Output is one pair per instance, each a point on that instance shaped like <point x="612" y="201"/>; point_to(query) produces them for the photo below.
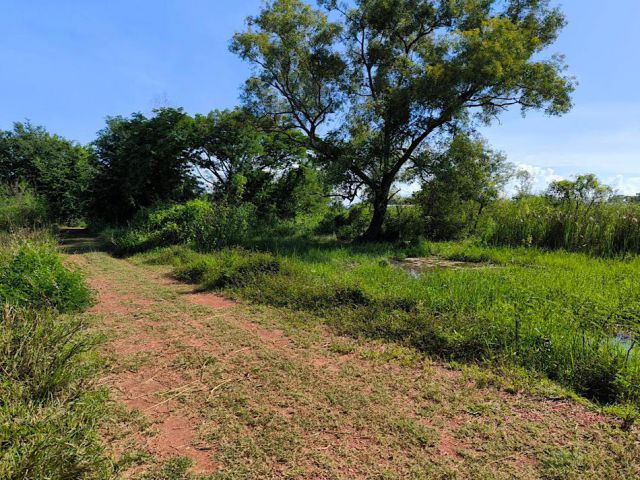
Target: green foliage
<point x="200" y="223"/>
<point x="226" y="225"/>
<point x="141" y="161"/>
<point x="21" y="207"/>
<point x="599" y="227"/>
<point x="57" y="169"/>
<point x="346" y="223"/>
<point x="32" y="275"/>
<point x="48" y="419"/>
<point x="457" y="185"/>
<point x="371" y="82"/>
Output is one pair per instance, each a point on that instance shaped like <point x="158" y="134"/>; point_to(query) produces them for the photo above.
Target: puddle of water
<point x="418" y="266"/>
<point x="625" y="341"/>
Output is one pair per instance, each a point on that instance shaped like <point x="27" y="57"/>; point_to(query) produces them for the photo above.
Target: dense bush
<point x="346" y="223"/>
<point x="32" y="275"/>
<point x="204" y="225"/>
<point x="20" y="207"/>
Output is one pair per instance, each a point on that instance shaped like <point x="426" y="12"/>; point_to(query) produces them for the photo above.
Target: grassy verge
<point x="570" y="317"/>
<point x="48" y="415"/>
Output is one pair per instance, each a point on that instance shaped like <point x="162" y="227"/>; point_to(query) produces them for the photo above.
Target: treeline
<point x="226" y="177"/>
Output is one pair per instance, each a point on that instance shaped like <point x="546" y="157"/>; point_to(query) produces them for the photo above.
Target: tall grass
<point x="48" y="415"/>
<point x="604" y="228"/>
<point x="571" y="317"/>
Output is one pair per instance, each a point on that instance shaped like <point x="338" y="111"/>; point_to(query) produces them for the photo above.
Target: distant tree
<point x="141" y="161"/>
<point x="524" y="188"/>
<point x="458" y="183"/>
<point x="371" y="83"/>
<point x="57" y="169"/>
<point x="584" y="190"/>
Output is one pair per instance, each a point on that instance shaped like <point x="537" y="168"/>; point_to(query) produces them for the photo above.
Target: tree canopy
<point x="140" y="161"/>
<point x="372" y="82"/>
<point x="57" y="169"/>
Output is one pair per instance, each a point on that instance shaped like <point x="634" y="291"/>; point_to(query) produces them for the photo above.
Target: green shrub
<point x="199" y="223"/>
<point x="20" y="207"/>
<point x="32" y="275"/>
<point x="225" y="226"/>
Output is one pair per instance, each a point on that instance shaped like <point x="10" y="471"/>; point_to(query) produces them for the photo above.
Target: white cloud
<point x="624" y="185"/>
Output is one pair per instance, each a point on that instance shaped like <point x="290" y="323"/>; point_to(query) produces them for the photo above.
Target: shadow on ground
<point x="78" y="240"/>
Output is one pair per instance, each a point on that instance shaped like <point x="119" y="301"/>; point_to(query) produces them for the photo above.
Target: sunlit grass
<point x="569" y="316"/>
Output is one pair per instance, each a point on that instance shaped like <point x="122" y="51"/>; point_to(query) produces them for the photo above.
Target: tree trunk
<point x="380" y="204"/>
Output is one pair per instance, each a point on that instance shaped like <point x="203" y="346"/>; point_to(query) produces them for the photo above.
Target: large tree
<point x="372" y="83"/>
<point x="140" y="161"/>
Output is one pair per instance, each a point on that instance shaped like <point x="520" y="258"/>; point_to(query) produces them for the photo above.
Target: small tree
<point x="243" y="159"/>
<point x="458" y="183"/>
<point x="370" y="82"/>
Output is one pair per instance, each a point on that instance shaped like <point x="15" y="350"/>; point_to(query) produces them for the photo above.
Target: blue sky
<point x="68" y="64"/>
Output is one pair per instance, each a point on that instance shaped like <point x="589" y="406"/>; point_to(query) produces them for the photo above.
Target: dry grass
<point x="258" y="392"/>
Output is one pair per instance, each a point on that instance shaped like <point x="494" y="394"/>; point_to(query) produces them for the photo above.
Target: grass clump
<point x="228" y="268"/>
<point x="32" y="275"/>
<point x="48" y="416"/>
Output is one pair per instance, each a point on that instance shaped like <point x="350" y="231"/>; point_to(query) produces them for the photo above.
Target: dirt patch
<point x="175" y="436"/>
<point x="153" y="387"/>
<point x="209" y="300"/>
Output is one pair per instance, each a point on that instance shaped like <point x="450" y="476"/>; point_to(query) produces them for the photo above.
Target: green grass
<point x="553" y="313"/>
<point x="294" y="400"/>
<point x="48" y="415"/>
<point x="32" y="275"/>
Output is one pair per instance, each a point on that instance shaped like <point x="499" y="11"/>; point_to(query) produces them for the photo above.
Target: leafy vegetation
<point x="48" y="416"/>
<point x="57" y="169"/>
<point x="21" y="208"/>
<point x="32" y="275"/>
